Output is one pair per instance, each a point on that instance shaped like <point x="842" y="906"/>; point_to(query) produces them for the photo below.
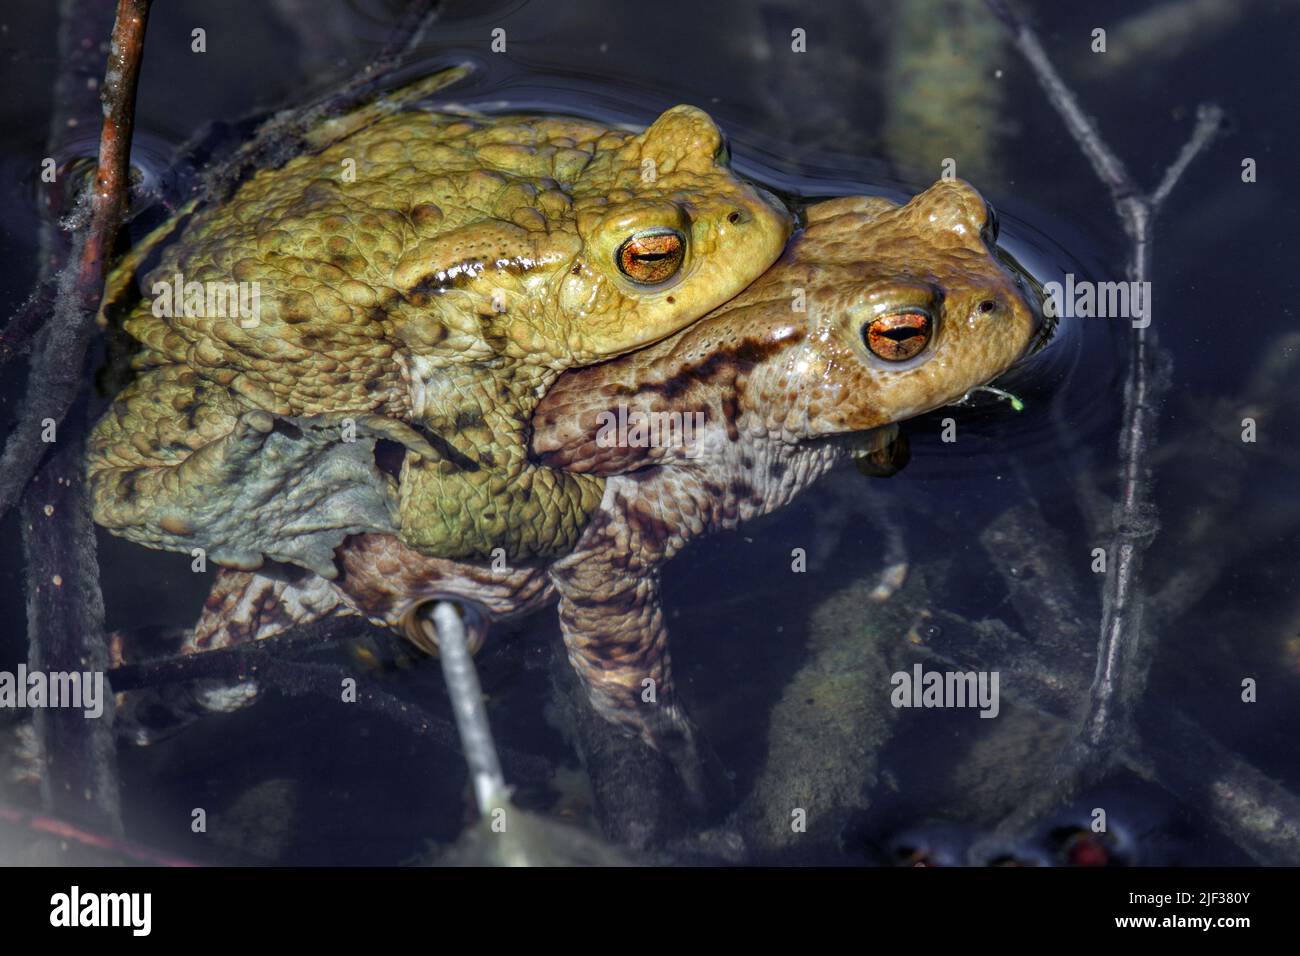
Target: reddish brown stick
<point x="65" y="608"/>
<point x="58" y="366"/>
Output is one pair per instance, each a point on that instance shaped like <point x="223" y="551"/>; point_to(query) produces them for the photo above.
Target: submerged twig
<point x="65" y="608"/>
<point x="467" y="704"/>
<point x="65" y="631"/>
<point x="1122" y="656"/>
<point x="84" y="26"/>
<point x="505" y="834"/>
<point x="265" y="662"/>
<point x="283" y="131"/>
<point x="1256" y="812"/>
<point x="58" y="367"/>
<point x="66" y="833"/>
<point x="1046" y="668"/>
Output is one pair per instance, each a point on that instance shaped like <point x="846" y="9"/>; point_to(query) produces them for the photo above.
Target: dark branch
<point x="58" y="367"/>
<point x="280" y="135"/>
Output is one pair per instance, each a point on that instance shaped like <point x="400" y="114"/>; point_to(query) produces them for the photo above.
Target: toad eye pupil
<point x="651" y="257"/>
<point x="898" y="336"/>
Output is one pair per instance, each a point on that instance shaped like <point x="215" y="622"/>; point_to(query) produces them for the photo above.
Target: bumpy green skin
<point x="429" y="270"/>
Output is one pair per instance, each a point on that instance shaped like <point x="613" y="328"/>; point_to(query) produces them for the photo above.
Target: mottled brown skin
<point x="434" y="270"/>
<point x="786" y="396"/>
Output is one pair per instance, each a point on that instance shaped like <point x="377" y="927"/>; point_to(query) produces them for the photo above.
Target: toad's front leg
<point x="482" y="493"/>
<point x="180" y="463"/>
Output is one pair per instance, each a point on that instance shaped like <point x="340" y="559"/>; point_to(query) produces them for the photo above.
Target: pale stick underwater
<point x="1124" y="652"/>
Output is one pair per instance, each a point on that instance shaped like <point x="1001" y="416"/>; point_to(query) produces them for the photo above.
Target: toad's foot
<point x="613" y="627"/>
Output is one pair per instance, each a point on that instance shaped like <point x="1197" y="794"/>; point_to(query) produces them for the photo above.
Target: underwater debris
<point x="1171" y="30"/>
<point x="940" y="66"/>
<point x="260" y="821"/>
<point x="504" y="835"/>
<point x="1223" y="532"/>
<point x="827" y="730"/>
<point x="1048" y="670"/>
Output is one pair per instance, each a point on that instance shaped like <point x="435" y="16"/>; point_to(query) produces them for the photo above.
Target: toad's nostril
<point x="735" y="217"/>
<point x="988" y="305"/>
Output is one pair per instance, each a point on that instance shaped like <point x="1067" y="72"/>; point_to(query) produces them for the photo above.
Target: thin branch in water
<point x="282" y="133"/>
<point x="58" y="367"/>
<point x="265" y="661"/>
<point x="65" y="608"/>
<point x="1122" y="658"/>
<point x="467" y="704"/>
<point x="83" y="27"/>
<point x="1208" y="121"/>
<point x="1050" y="672"/>
<point x="65" y="832"/>
<point x="1110" y="170"/>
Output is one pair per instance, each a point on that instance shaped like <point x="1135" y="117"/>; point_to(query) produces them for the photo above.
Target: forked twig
<point x="1122" y="655"/>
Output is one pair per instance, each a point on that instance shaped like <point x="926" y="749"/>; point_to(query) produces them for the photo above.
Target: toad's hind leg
<point x="616" y="640"/>
<point x="147" y="452"/>
<point x="179" y="464"/>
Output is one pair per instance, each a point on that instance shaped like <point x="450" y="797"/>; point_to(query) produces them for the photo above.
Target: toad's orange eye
<point x="651" y="257"/>
<point x="898" y="336"/>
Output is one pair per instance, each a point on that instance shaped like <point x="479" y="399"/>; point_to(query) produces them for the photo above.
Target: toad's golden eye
<point x="898" y="336"/>
<point x="652" y="256"/>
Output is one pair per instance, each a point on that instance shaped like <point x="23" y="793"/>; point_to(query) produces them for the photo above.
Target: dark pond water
<point x="776" y="666"/>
